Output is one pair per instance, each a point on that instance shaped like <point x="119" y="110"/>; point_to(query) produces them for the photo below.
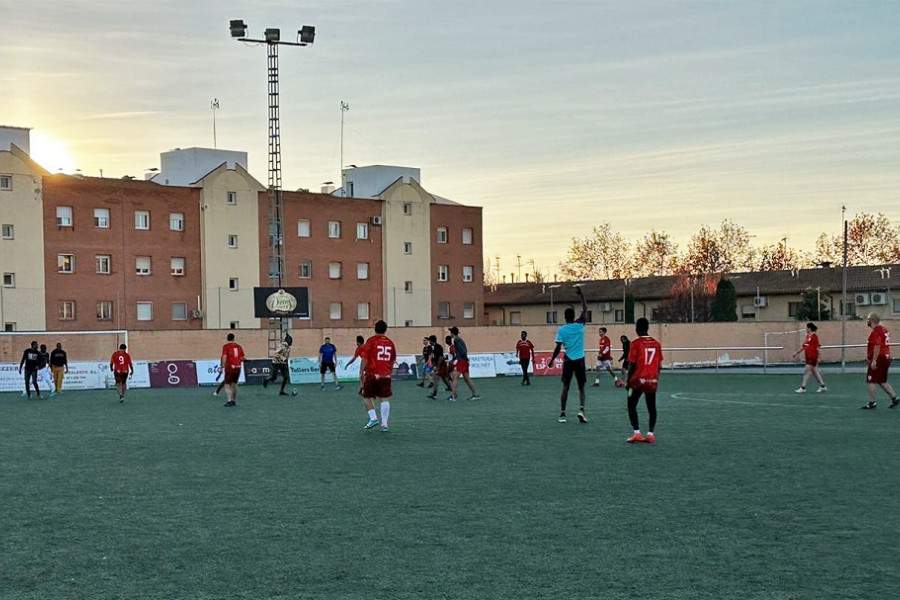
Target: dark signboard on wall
<point x="272" y="302"/>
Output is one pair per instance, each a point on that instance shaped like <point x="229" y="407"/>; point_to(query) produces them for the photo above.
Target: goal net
<point x="80" y="346"/>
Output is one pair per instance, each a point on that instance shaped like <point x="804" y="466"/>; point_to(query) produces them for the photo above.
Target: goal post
<point x="79" y="345"/>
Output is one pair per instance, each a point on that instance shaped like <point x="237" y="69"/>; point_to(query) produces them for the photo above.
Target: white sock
<point x="372" y="415"/>
<point x="637" y="432"/>
<point x="385" y="412"/>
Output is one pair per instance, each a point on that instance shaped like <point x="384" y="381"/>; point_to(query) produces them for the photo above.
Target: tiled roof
<point x="828" y="280"/>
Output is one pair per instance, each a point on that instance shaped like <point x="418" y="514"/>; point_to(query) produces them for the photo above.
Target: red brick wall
<point x="455" y="254"/>
<point x="123" y="243"/>
<point x="319" y="209"/>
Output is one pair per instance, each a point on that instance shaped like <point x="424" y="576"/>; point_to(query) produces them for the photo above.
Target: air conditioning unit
<point x="862" y="299"/>
<point x="377" y="220"/>
<point x="760" y="301"/>
<point x="196" y="314"/>
<point x="606" y="306"/>
<point x="879" y="298"/>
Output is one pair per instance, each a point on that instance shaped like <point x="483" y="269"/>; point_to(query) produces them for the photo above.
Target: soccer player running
<point x="360" y="340"/>
<point x="571" y="337"/>
<point x="231" y="362"/>
<point x="460" y="367"/>
<point x="878" y="361"/>
<point x="31" y="359"/>
<point x="122" y="368"/>
<point x="810" y="349"/>
<point x="427" y="363"/>
<point x="525" y="350"/>
<point x="59" y="364"/>
<point x="280" y="364"/>
<point x="441" y="371"/>
<point x="644" y="361"/>
<point x="327" y="353"/>
<point x="604" y="358"/>
<point x="377" y="360"/>
<point x="43" y="373"/>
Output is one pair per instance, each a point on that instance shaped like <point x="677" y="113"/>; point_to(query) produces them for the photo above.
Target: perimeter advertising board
<point x="289" y="302"/>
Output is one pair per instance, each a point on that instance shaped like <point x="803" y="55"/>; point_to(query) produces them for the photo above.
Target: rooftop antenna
<point x="214" y="106"/>
<point x="344" y="108"/>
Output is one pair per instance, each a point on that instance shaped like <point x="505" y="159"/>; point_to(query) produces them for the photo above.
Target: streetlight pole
<point x="844" y="296"/>
<point x="344" y="108"/>
<point x="305" y="36"/>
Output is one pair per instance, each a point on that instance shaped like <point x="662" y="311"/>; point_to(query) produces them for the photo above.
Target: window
<point x="443" y="272"/>
<point x="334" y="311"/>
<point x="178" y="266"/>
<point x="468" y="310"/>
<point x="303" y="228"/>
<point x="65" y="263"/>
<point x="407" y="247"/>
<point x="232" y="241"/>
<point x="443" y="310"/>
<point x="467" y="235"/>
<point x="362" y="311"/>
<point x="64" y="216"/>
<point x="441" y="235"/>
<point x="233" y="284"/>
<point x="515" y="317"/>
<point x="589" y="316"/>
<point x="9" y="326"/>
<point x="67" y="310"/>
<point x="101" y="218"/>
<point x="468" y="270"/>
<point x="334" y="270"/>
<point x="407" y="208"/>
<point x="142" y="219"/>
<point x="334" y="229"/>
<point x="896" y="305"/>
<point x="748" y="311"/>
<point x="9" y="280"/>
<point x="408" y="287"/>
<point x="6" y="183"/>
<point x="176" y="221"/>
<point x="104" y="264"/>
<point x="179" y="311"/>
<point x="9" y="231"/>
<point x="849" y="309"/>
<point x="142" y="265"/>
<point x="362" y="270"/>
<point x="104" y="311"/>
<point x="234" y="325"/>
<point x="794" y="308"/>
<point x="231" y="198"/>
<point x="362" y="231"/>
<point x="144" y="311"/>
<point x="551" y="316"/>
<point x="619" y="315"/>
<point x="305" y="269"/>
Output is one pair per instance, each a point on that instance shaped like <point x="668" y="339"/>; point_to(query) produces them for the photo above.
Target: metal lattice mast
<point x="278" y="327"/>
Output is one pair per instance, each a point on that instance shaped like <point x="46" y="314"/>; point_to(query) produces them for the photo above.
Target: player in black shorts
<point x="31" y="360"/>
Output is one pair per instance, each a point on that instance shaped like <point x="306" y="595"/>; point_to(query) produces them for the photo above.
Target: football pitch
<point x="751" y="492"/>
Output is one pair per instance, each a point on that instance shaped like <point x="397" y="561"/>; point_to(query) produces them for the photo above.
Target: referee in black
<point x="31" y="359"/>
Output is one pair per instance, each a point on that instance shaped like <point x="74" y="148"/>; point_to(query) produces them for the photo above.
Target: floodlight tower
<point x="305" y="36"/>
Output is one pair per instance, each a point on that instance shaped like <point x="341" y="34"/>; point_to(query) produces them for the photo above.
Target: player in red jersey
<point x="525" y="350"/>
<point x="644" y="360"/>
<point x="377" y="360"/>
<point x="811" y="352"/>
<point x="604" y="359"/>
<point x="230" y="364"/>
<point x="878" y="361"/>
<point x="122" y="367"/>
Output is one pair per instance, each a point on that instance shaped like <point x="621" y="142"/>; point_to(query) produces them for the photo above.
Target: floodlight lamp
<point x="238" y="28"/>
<point x="307" y="34"/>
<point x="273" y="35"/>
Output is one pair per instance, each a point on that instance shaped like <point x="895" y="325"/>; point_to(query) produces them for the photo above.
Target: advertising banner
<point x="541" y="359"/>
<point x="173" y="373"/>
<point x="482" y="365"/>
<point x="256" y="370"/>
<point x="207" y="371"/>
<point x="304" y="369"/>
<point x="405" y="368"/>
<point x="507" y="363"/>
<point x="273" y="302"/>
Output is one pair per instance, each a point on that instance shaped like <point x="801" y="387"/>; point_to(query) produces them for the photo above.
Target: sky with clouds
<point x="554" y="116"/>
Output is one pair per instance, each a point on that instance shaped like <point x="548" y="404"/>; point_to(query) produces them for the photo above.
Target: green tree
<point x="629" y="308"/>
<point x="724" y="306"/>
<point x="811" y="306"/>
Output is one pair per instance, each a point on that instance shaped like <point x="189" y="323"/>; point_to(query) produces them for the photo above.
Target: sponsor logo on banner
<point x="405" y="367"/>
<point x="173" y="373"/>
<point x="304" y="369"/>
<point x="542" y="359"/>
<point x="507" y="363"/>
<point x="257" y="370"/>
<point x="207" y="371"/>
<point x="482" y="365"/>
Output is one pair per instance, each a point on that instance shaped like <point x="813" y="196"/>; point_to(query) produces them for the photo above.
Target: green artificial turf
<point x="751" y="492"/>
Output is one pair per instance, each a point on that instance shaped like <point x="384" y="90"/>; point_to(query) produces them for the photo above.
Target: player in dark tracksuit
<point x="31" y="360"/>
